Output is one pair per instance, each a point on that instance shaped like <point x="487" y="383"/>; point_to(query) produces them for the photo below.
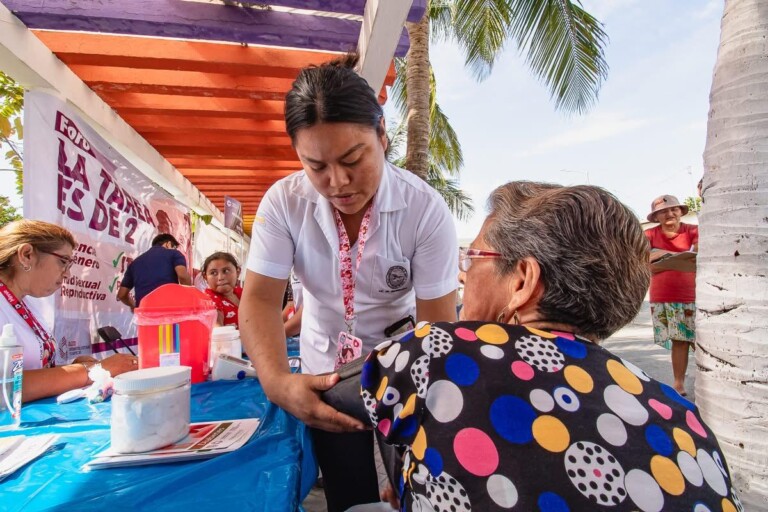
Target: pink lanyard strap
<point x="345" y="262"/>
<point x="46" y="340"/>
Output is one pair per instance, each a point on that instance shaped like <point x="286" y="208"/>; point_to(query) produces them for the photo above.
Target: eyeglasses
<point x="65" y="260"/>
<point x="466" y="255"/>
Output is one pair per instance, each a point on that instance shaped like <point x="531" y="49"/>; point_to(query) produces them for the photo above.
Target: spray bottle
<point x="12" y="359"/>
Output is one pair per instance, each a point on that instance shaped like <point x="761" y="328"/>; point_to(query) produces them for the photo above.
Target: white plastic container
<point x="150" y="408"/>
<point x="12" y="362"/>
<point x="225" y="340"/>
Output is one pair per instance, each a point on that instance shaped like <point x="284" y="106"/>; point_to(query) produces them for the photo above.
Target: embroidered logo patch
<point x="396" y="277"/>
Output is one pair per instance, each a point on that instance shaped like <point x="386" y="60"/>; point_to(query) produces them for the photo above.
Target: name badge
<point x="348" y="348"/>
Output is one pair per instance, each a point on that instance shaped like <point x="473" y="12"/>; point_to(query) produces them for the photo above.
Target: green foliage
<point x="693" y="203"/>
<point x="561" y="42"/>
<point x="11" y="96"/>
<point x="444" y="145"/>
<point x="8" y="213"/>
<point x="195" y="218"/>
<point x="445" y="156"/>
<point x="457" y="200"/>
<point x="11" y="129"/>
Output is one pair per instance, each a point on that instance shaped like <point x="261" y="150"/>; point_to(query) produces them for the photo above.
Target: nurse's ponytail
<point x="331" y="93"/>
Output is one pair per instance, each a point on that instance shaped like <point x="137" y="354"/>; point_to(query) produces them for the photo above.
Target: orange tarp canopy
<point x="213" y="110"/>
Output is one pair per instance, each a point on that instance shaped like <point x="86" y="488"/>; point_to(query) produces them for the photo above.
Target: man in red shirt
<point x="673" y="293"/>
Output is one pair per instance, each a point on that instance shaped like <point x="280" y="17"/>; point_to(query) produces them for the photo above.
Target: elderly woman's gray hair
<point x="590" y="247"/>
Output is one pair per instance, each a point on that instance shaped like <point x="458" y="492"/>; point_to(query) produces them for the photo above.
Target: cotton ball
<point x="142" y="423"/>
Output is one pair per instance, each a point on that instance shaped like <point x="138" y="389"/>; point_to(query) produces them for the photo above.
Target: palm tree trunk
<point x="417" y="86"/>
<point x="732" y="279"/>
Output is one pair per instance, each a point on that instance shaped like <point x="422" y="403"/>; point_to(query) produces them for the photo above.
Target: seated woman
<point x="221" y="271"/>
<point x="35" y="258"/>
<point x="517" y="406"/>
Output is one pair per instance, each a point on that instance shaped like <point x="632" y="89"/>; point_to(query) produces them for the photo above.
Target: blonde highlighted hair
<point x="42" y="236"/>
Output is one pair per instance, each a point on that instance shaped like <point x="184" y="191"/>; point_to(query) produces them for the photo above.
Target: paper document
<point x="16" y="451"/>
<point x="205" y="440"/>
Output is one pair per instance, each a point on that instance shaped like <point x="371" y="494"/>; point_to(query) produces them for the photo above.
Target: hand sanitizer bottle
<point x="12" y="360"/>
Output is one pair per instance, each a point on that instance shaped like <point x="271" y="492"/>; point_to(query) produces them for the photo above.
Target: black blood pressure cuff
<point x="345" y="397"/>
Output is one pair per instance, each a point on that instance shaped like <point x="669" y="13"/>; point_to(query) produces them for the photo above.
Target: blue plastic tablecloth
<point x="274" y="471"/>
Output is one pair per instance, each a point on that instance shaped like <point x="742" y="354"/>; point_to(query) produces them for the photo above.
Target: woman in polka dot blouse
<point x="517" y="407"/>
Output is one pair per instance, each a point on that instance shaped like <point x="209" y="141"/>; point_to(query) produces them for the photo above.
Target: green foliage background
<point x="11" y="136"/>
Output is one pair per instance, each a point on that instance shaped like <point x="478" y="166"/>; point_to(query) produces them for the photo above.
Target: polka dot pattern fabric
<point x="501" y="417"/>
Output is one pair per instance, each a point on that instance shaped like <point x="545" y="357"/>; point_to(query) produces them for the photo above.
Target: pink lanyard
<point x="345" y="263"/>
<point x="46" y="340"/>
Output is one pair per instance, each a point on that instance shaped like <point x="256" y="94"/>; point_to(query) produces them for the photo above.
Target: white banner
<point x="74" y="178"/>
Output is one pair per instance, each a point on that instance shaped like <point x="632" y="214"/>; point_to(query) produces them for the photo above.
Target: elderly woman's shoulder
<point x="574" y="398"/>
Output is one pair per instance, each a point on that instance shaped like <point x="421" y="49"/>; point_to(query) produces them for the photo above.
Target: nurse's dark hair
<point x="220" y="255"/>
<point x="331" y="93"/>
<point x="590" y="247"/>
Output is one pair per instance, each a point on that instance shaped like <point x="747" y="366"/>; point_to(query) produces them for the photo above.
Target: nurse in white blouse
<point x="399" y="260"/>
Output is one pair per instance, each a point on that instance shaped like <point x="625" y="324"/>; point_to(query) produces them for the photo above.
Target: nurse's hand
<point x="300" y="396"/>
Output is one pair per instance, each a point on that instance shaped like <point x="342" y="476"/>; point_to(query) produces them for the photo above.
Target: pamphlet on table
<point x="205" y="440"/>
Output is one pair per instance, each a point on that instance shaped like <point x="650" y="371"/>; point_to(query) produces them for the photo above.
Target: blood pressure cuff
<point x="345" y="397"/>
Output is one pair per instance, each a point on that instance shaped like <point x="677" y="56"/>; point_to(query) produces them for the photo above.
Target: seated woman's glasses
<point x="466" y="255"/>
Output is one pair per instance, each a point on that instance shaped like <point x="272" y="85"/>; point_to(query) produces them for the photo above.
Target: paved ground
<point x="634" y="343"/>
<point x="315" y="502"/>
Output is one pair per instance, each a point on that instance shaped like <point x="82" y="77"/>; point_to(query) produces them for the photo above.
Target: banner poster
<point x="233" y="215"/>
<point x="74" y="178"/>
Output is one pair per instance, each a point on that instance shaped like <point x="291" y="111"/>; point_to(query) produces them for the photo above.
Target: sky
<point x="643" y="138"/>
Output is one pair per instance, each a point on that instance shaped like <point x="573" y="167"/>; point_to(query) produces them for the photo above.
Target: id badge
<point x="348" y="348"/>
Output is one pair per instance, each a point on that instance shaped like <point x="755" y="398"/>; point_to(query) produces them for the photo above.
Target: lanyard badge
<point x="349" y="347"/>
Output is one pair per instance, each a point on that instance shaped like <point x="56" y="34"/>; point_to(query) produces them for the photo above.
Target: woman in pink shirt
<point x="673" y="293"/>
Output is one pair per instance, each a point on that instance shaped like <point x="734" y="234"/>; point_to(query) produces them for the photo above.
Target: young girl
<point x="220" y="270"/>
